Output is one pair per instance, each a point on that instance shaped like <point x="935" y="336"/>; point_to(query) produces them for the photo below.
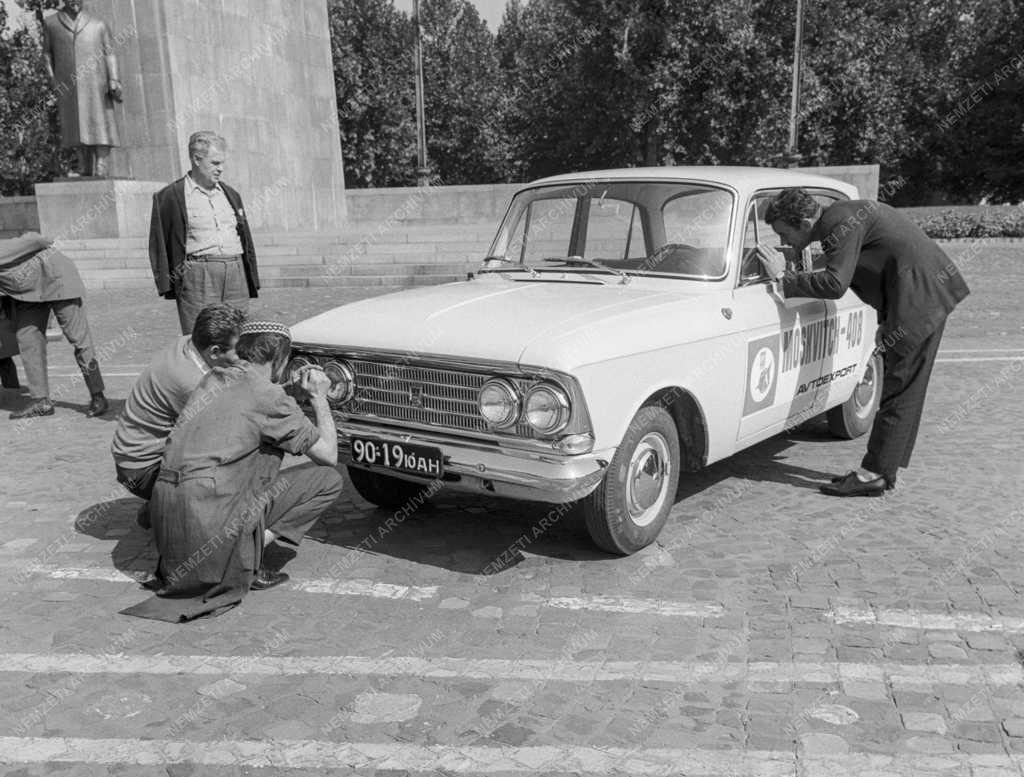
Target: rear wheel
<point x="629" y="508"/>
<point x="384" y="490"/>
<point x="855" y="416"/>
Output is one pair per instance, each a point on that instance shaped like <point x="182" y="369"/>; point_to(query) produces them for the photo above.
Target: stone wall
<point x="17" y="215"/>
<point x="258" y="72"/>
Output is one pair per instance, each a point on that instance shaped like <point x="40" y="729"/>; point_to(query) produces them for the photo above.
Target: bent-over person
<point x="894" y="267"/>
<point x="220" y="496"/>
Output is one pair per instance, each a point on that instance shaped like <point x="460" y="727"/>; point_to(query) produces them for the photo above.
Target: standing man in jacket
<point x="41" y="279"/>
<point x="903" y="274"/>
<point x="200" y="246"/>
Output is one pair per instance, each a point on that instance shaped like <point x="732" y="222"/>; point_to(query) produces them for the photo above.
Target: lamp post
<point x="422" y="171"/>
<point x="792" y="156"/>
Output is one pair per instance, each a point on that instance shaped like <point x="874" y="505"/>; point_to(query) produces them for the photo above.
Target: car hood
<point x="543" y="323"/>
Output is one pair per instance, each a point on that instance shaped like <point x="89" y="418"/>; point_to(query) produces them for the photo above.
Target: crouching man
<point x="220" y="496"/>
<point x="159" y="395"/>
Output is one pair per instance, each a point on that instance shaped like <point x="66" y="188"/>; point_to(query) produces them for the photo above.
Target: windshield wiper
<point x="506" y="260"/>
<point x="623" y="277"/>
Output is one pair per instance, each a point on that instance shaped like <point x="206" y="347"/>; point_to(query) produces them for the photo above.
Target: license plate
<point x="399" y="456"/>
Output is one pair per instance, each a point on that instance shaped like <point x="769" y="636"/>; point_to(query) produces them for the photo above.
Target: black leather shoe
<point x="266" y="578"/>
<point x="851" y="485"/>
<point x="98" y="406"/>
<point x="39" y="407"/>
<point x="840" y="478"/>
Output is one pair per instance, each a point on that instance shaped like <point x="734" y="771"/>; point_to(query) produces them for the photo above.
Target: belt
<point x="175" y="477"/>
<point x="213" y="257"/>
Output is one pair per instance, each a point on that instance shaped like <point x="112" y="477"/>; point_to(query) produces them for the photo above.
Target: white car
<point x="620" y="334"/>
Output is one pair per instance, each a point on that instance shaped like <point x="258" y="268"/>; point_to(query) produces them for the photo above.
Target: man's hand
<point x="315" y="383"/>
<point x="773" y="262"/>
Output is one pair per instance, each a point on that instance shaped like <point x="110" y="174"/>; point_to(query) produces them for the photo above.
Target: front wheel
<point x="629" y="508"/>
<point x="855" y="416"/>
<point x="384" y="490"/>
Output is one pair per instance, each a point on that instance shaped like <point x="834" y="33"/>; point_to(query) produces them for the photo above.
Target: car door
<point x="781" y="350"/>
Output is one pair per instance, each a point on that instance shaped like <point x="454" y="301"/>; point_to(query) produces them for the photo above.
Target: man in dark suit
<point x="200" y="245"/>
<point x="40" y="279"/>
<point x="903" y="274"/>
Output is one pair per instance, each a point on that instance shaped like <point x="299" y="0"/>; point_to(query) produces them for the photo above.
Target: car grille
<point x="440" y="398"/>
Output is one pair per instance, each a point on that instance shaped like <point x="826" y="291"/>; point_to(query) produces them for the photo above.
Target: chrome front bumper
<point x="481" y="468"/>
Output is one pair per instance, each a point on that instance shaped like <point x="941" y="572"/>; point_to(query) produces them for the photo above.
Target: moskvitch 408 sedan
<point x="619" y="334"/>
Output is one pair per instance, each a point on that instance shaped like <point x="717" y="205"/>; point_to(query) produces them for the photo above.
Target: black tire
<point x="856" y="415"/>
<point x="384" y="490"/>
<point x="620" y="517"/>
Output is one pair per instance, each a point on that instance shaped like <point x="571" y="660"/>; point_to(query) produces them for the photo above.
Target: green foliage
<point x="464" y="98"/>
<point x="984" y="222"/>
<point x="373" y="76"/>
<point x="28" y="115"/>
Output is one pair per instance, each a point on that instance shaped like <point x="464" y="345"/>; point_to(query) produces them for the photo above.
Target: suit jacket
<point x="168" y="229"/>
<point x="890" y="263"/>
<point x="31" y="270"/>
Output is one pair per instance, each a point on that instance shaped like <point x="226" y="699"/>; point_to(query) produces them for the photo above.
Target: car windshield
<point x="616" y="228"/>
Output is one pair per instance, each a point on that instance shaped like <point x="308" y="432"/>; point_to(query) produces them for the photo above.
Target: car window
<point x="545" y="229"/>
<point x="614" y="230"/>
<point x="634" y="226"/>
<point x="751" y="270"/>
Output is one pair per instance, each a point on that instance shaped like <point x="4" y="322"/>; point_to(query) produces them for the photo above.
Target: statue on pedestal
<point x="81" y="62"/>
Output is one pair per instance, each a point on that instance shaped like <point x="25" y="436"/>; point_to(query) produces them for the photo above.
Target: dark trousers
<point x="899" y="414"/>
<point x="205" y="280"/>
<point x="9" y="373"/>
<point x="302" y="495"/>
<point x="139" y="481"/>
<point x="30" y="318"/>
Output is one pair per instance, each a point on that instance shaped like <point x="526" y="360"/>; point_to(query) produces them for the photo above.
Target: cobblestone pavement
<point x="770" y="631"/>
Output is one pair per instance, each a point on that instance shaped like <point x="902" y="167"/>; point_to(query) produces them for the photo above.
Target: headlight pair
<point x="343" y="380"/>
<point x="545" y="406"/>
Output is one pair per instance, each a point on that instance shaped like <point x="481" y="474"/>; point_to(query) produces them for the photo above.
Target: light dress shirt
<point x="212" y="224"/>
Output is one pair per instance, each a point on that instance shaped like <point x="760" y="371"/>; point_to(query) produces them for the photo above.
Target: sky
<point x="490" y="10"/>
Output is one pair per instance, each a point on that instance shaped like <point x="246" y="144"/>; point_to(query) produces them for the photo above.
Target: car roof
<point x="739" y="178"/>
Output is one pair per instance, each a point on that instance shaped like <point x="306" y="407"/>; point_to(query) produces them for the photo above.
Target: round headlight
<point x="498" y="403"/>
<point x="547" y="408"/>
<point x="293" y="372"/>
<point x="343" y="381"/>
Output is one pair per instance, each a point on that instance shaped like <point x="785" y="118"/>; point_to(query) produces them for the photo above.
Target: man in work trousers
<point x="903" y="274"/>
<point x="200" y="246"/>
<point x="41" y="279"/>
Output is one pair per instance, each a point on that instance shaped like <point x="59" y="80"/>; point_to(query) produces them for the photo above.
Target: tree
<point x="371" y="44"/>
<point x="465" y="102"/>
<point x="31" y="150"/>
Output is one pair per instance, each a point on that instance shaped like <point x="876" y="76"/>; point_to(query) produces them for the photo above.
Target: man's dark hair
<point x="217" y="324"/>
<point x="263" y="348"/>
<point x="791" y="206"/>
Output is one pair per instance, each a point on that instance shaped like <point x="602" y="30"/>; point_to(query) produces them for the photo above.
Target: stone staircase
<point x="382" y="255"/>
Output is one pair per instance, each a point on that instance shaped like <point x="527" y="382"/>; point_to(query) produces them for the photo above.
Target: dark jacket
<point x="890" y="263"/>
<point x="168" y="229"/>
<point x="31" y="270"/>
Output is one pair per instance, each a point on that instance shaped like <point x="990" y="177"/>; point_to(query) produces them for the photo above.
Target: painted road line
<point x="534" y="670"/>
<point x="335" y="587"/>
<point x="637" y="606"/>
<point x="915" y="619"/>
<point x="414" y="593"/>
<point x="450" y="759"/>
<point x="968" y="359"/>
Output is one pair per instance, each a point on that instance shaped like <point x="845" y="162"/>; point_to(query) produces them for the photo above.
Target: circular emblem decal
<point x="762" y="374"/>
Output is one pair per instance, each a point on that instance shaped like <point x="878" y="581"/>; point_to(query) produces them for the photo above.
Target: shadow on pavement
<point x="134" y="553"/>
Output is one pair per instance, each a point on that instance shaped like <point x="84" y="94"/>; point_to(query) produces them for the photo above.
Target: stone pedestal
<point x="85" y="208"/>
<point x="258" y="73"/>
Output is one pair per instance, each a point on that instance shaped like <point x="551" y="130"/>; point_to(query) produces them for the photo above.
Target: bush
<point x="984" y="222"/>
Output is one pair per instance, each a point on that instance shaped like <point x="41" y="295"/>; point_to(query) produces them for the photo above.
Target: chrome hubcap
<point x="864" y="394"/>
<point x="647" y="479"/>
